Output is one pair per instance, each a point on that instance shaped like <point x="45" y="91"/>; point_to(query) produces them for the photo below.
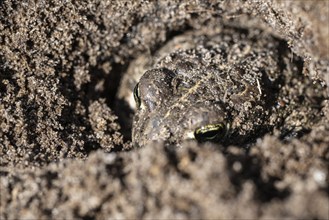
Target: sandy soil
<point x="65" y="149"/>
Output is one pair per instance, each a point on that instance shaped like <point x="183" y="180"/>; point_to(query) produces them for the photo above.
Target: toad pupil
<point x="210" y="132"/>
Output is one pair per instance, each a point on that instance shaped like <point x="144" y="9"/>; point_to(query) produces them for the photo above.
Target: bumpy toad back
<point x="218" y="87"/>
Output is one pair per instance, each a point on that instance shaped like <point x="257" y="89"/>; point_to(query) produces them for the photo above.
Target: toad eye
<point x="211" y="132"/>
<point x="137" y="95"/>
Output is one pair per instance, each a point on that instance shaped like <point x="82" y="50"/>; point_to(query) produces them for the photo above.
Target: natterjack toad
<point x="216" y="86"/>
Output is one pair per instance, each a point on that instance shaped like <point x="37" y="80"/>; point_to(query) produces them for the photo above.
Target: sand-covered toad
<point x="217" y="86"/>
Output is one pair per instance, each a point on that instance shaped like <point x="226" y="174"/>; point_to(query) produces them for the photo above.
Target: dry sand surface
<point x="66" y="152"/>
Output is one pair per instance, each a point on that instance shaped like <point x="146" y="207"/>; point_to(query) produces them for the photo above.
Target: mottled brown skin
<point x="226" y="77"/>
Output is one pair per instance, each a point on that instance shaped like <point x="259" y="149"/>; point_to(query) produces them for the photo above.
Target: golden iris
<point x="137" y="95"/>
<point x="210" y="132"/>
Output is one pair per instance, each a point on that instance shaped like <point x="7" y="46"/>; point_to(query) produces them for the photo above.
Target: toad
<point x="217" y="86"/>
